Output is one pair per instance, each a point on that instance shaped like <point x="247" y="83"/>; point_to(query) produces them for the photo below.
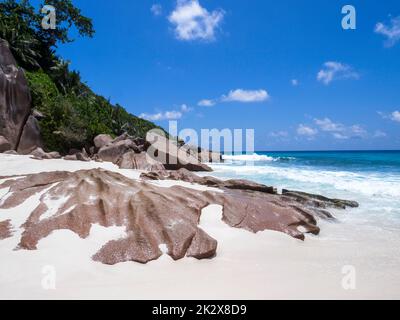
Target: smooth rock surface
<point x="139" y="161"/>
<point x="30" y="138"/>
<point x="5" y="145"/>
<point x="15" y="98"/>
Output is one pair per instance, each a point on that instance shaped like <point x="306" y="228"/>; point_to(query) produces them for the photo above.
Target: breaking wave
<point x="370" y="184"/>
<point x="253" y="157"/>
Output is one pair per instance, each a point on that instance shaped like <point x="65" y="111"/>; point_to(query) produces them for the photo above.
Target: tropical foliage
<point x="72" y="113"/>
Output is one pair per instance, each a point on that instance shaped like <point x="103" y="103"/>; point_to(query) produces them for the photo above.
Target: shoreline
<point x="266" y="265"/>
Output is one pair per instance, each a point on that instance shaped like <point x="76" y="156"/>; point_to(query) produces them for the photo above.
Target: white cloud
<point x="395" y="116"/>
<point x="379" y="134"/>
<point x="335" y="70"/>
<point x="358" y="131"/>
<point x="294" y="82"/>
<point x="304" y="130"/>
<point x="206" y="103"/>
<point x="240" y="95"/>
<point x="185" y="108"/>
<point x="328" y="125"/>
<point x="156" y="9"/>
<point x="391" y="31"/>
<point x="166" y="115"/>
<point x="340" y="131"/>
<point x="340" y="136"/>
<point x="193" y="22"/>
<point x="279" y="134"/>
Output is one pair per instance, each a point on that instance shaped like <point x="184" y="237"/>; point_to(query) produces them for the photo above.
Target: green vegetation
<point x="72" y="113"/>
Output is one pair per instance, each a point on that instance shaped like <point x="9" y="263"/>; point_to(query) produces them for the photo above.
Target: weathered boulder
<point x="203" y="246"/>
<point x="204" y="155"/>
<point x="152" y="215"/>
<point x="5" y="229"/>
<point x="318" y="200"/>
<point x="210" y="156"/>
<point x="264" y="197"/>
<point x="172" y="156"/>
<point x="30" y="138"/>
<point x="139" y="161"/>
<point x="15" y="98"/>
<point x="71" y="157"/>
<point x="39" y="154"/>
<point x="115" y="150"/>
<point x="5" y="145"/>
<point x="102" y="140"/>
<point x="82" y="156"/>
<point x="187" y="176"/>
<point x="13" y="152"/>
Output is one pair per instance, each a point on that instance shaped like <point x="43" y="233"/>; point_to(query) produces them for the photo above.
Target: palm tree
<point x="22" y="44"/>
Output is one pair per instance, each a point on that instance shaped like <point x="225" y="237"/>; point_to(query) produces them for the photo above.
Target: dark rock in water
<point x="15" y="98"/>
<point x="30" y="138"/>
<point x="318" y="200"/>
<point x="5" y="145"/>
<point x="102" y="140"/>
<point x="139" y="161"/>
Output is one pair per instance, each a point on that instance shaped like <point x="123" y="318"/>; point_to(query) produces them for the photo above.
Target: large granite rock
<point x="318" y="200"/>
<point x="151" y="215"/>
<point x="39" y="154"/>
<point x="204" y="155"/>
<point x="314" y="204"/>
<point x="139" y="161"/>
<point x="5" y="229"/>
<point x="5" y="145"/>
<point x="114" y="151"/>
<point x="15" y="98"/>
<point x="172" y="155"/>
<point x="102" y="140"/>
<point x="187" y="176"/>
<point x="30" y="138"/>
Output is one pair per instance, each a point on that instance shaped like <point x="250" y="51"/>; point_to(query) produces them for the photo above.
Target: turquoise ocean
<point x="370" y="177"/>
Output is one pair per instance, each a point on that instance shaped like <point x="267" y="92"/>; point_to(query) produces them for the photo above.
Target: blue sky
<point x="285" y="68"/>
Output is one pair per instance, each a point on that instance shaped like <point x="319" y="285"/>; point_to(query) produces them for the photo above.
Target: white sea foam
<point x="248" y="157"/>
<point x="370" y="184"/>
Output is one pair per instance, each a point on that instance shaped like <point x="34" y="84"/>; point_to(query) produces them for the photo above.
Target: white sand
<point x="248" y="266"/>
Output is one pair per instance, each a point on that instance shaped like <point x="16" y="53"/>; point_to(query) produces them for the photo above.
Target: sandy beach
<point x="266" y="265"/>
